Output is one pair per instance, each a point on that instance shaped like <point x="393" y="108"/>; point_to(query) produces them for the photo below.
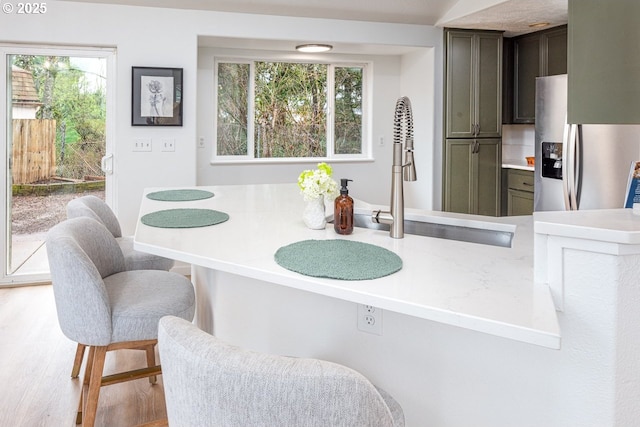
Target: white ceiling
<point x="511" y="16"/>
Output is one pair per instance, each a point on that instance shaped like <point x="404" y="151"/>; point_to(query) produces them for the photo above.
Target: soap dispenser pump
<point x="343" y="210"/>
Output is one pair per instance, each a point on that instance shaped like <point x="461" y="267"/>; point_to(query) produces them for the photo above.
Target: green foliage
<point x="348" y="105"/>
<point x="78" y="104"/>
<point x="290" y="109"/>
<point x="233" y="104"/>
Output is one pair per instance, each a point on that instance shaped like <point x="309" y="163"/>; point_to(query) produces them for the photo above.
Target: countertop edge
<point x="519" y="166"/>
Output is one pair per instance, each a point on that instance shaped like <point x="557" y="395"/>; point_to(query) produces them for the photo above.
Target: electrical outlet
<point x="201" y="142"/>
<point x="369" y="319"/>
<point x="142" y="144"/>
<point x="168" y="144"/>
<point x="381" y="141"/>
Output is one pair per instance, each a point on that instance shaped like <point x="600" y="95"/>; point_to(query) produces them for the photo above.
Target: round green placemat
<point x="184" y="218"/>
<point x="180" y="195"/>
<point x="338" y="259"/>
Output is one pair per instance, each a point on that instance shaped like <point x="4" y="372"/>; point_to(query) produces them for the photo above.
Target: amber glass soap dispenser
<point x="343" y="210"/>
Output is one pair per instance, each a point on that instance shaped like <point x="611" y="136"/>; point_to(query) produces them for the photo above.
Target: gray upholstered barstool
<point x="93" y="207"/>
<point x="102" y="305"/>
<point x="211" y="383"/>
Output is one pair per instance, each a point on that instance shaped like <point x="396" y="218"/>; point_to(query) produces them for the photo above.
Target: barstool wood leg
<point x="85" y="382"/>
<point x="151" y="361"/>
<point x="93" y="392"/>
<point x="77" y="361"/>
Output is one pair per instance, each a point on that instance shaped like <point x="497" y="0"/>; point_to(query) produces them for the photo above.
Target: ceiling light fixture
<point x="539" y="25"/>
<point x="314" y="48"/>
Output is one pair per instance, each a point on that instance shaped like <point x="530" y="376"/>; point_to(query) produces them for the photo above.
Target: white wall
<point x="518" y="142"/>
<point x="421" y="78"/>
<point x="124" y="28"/>
<point x="371" y="179"/>
<point x="169" y="38"/>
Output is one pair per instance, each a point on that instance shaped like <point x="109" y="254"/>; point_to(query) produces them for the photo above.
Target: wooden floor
<point x="36" y="388"/>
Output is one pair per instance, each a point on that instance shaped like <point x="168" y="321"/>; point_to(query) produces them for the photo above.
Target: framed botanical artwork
<point x="156" y="96"/>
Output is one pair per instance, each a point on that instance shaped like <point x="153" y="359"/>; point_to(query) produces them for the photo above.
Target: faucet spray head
<point x="409" y="166"/>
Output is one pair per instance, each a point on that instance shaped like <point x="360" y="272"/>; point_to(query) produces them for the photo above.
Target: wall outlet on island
<point x="369" y="319"/>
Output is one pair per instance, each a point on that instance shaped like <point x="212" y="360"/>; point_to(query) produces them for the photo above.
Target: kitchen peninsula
<point x="468" y="336"/>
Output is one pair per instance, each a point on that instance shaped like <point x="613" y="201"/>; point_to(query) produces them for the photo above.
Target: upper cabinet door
<point x="604" y="62"/>
<point x="527" y="68"/>
<point x="473" y="84"/>
<point x="543" y="53"/>
<point x="555" y="43"/>
<point x="460" y="85"/>
<point x="489" y="86"/>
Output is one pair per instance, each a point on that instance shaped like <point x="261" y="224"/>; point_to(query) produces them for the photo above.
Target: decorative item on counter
<point x="343" y="210"/>
<point x="184" y="218"/>
<point x="180" y="195"/>
<point x="315" y="185"/>
<point x="338" y="259"/>
<point x="530" y="160"/>
<point x="633" y="187"/>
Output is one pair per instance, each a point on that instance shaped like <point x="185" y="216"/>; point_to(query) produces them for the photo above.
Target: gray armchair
<point x="210" y="383"/>
<point x="94" y="207"/>
<point x="102" y="305"/>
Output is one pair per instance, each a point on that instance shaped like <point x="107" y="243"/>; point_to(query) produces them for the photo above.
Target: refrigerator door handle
<point x="573" y="167"/>
<point x="577" y="163"/>
<point x="565" y="167"/>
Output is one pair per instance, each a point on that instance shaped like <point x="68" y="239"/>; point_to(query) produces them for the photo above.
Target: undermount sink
<point x="443" y="231"/>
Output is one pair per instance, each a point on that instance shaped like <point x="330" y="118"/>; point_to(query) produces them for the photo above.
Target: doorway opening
<point x="56" y="140"/>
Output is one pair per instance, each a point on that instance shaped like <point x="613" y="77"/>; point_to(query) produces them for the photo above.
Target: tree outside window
<point x="282" y="110"/>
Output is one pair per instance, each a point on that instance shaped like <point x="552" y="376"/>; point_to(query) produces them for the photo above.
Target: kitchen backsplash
<point x="518" y="142"/>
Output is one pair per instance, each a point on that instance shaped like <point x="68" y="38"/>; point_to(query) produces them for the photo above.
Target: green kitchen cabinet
<point x="473" y="84"/>
<point x="604" y="62"/>
<point x="472" y="176"/>
<point x="543" y="53"/>
<point x="520" y="186"/>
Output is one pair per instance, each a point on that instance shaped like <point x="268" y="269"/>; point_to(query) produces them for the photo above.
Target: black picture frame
<point x="156" y="96"/>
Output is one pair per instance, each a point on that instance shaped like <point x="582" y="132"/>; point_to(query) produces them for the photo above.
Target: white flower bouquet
<point x="317" y="182"/>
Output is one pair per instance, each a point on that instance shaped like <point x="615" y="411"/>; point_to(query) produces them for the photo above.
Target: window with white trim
<point x="289" y="110"/>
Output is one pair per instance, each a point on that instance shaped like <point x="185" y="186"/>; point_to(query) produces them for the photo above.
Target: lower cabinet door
<point x="519" y="202"/>
<point x="472" y="176"/>
<point x="458" y="170"/>
<point x="488" y="168"/>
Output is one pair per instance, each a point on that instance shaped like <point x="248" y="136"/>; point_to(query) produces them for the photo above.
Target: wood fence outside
<point x="34" y="150"/>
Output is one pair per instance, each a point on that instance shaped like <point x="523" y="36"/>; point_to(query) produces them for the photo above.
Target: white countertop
<point x="478" y="287"/>
<point x="517" y="164"/>
<point x="606" y="225"/>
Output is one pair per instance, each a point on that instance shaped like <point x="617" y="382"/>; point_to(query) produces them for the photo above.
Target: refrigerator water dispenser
<point x="552" y="160"/>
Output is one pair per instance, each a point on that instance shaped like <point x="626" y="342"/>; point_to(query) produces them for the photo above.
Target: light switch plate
<point x="167" y="144"/>
<point x="142" y="144"/>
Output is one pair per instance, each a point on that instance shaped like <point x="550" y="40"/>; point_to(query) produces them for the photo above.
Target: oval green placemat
<point x="184" y="218"/>
<point x="182" y="195"/>
<point x="338" y="259"/>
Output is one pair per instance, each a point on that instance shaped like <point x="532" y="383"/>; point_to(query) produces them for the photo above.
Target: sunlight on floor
<point x="30" y="257"/>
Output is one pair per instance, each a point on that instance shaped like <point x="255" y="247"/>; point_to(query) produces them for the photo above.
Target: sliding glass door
<point x="55" y="146"/>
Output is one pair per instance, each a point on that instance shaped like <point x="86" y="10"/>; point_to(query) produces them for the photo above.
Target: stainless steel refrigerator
<point x="578" y="166"/>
